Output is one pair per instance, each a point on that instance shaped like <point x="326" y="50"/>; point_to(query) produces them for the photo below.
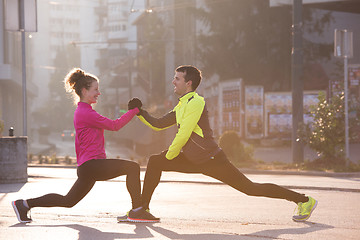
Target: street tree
<point x="57" y="111"/>
<point x="248" y="39"/>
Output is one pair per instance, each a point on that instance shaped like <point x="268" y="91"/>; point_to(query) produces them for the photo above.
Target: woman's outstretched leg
<point x="78" y="191"/>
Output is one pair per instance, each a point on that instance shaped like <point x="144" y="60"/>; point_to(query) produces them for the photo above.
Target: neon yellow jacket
<point x="194" y="136"/>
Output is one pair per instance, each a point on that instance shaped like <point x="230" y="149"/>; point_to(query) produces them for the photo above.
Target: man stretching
<point x="194" y="150"/>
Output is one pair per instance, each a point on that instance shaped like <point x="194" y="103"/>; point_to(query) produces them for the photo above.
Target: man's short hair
<point x="191" y="73"/>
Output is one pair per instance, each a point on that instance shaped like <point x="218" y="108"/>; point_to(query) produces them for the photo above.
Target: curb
<point x="303" y="173"/>
<point x="246" y="171"/>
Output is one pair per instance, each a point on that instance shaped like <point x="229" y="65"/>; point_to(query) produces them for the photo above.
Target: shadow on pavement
<point x="141" y="231"/>
<point x="265" y="234"/>
<point x="275" y="233"/>
<point x="10" y="187"/>
<point x="86" y="233"/>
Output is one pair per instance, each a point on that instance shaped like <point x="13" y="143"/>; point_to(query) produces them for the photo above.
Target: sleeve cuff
<point x="171" y="155"/>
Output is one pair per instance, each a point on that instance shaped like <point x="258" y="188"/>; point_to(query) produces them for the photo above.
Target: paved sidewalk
<point x="190" y="206"/>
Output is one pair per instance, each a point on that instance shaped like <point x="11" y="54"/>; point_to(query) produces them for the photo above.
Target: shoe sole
<point x="122" y="220"/>
<point x="308" y="216"/>
<point x="142" y="220"/>
<point x="17" y="213"/>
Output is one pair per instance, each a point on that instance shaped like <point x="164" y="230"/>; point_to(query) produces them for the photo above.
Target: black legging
<point x="219" y="168"/>
<point x="90" y="172"/>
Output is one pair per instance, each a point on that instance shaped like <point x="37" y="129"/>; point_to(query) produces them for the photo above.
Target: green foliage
<point x="235" y="150"/>
<point x="53" y="159"/>
<point x="68" y="160"/>
<point x="244" y="36"/>
<point x="30" y="157"/>
<point x="152" y="50"/>
<point x="326" y="134"/>
<point x="57" y="112"/>
<point x="41" y="159"/>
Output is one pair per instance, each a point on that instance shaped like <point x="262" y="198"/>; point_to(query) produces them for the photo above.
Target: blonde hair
<point x="76" y="80"/>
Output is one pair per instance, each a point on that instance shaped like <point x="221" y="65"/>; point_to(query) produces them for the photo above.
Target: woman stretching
<point x="90" y="152"/>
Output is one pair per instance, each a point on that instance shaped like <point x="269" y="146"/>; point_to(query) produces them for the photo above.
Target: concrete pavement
<point x="190" y="206"/>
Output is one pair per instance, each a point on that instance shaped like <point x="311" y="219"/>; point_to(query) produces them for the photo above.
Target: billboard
<point x="231" y="106"/>
<point x="254" y="112"/>
<point x="278" y="112"/>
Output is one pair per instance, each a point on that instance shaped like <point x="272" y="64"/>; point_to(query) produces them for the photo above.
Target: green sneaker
<point x="123" y="218"/>
<point x="305" y="210"/>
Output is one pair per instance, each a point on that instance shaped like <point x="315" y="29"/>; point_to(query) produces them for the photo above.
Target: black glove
<point x="135" y="103"/>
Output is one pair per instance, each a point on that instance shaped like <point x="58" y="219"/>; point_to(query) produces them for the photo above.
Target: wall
<point x="13" y="159"/>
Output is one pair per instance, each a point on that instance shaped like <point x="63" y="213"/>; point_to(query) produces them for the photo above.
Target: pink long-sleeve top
<point x="89" y="126"/>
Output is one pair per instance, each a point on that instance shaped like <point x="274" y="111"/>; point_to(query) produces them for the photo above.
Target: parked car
<point x="68" y="135"/>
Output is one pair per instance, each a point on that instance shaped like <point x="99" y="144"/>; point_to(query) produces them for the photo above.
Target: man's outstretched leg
<point x="224" y="171"/>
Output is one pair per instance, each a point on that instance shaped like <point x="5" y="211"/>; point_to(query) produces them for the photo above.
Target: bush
<point x="68" y="160"/>
<point x="53" y="159"/>
<point x="326" y="134"/>
<point x="41" y="159"/>
<point x="30" y="157"/>
<point x="235" y="150"/>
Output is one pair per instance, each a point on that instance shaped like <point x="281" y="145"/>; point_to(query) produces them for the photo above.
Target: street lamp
<point x="343" y="47"/>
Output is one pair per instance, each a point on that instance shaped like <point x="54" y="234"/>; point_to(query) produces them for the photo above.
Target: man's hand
<point x="135" y="103"/>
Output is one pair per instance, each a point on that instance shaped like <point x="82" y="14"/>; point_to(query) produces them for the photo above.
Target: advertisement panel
<point x="278" y="112"/>
<point x="254" y="112"/>
<point x="231" y="106"/>
<point x="354" y="82"/>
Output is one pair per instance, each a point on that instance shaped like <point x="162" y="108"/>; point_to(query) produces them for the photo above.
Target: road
<point x="190" y="206"/>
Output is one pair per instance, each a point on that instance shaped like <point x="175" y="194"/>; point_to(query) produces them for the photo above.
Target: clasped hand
<point x="135" y="103"/>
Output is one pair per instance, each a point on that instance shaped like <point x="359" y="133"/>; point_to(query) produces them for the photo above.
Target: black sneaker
<point x="21" y="211"/>
<point x="142" y="215"/>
